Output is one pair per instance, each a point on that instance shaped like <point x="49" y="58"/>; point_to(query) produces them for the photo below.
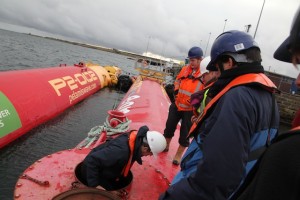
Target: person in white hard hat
<point x="208" y="77"/>
<point x="110" y="162"/>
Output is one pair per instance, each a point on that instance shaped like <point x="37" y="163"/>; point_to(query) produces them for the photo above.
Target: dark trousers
<point x="173" y="118"/>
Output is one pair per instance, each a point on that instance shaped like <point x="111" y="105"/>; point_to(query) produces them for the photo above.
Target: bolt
<point x="19" y="184"/>
<point x="17" y="195"/>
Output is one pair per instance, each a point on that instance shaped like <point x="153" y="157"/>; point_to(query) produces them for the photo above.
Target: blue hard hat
<point x="230" y="42"/>
<point x="195" y="52"/>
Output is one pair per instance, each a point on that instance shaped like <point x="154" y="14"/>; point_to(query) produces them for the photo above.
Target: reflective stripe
<point x="186" y="87"/>
<point x="198" y="86"/>
<point x="183" y="105"/>
<point x="202" y="105"/>
<point x="184" y="92"/>
<point x="190" y="93"/>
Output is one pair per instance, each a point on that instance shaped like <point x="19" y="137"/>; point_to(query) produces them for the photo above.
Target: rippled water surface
<point x="22" y="51"/>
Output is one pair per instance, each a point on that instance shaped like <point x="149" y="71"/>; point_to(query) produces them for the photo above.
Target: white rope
<point x="96" y="131"/>
<point x="120" y="128"/>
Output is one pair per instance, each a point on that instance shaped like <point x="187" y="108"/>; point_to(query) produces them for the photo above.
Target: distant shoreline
<point x="130" y="55"/>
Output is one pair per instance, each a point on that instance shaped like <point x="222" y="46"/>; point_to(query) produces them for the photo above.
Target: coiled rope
<point x="96" y="131"/>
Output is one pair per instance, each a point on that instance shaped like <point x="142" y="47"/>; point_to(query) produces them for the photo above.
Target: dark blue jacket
<point x="238" y="124"/>
<point x="105" y="163"/>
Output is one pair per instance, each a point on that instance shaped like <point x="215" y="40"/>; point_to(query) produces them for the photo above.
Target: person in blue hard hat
<point x="187" y="82"/>
<point x="276" y="174"/>
<point x="234" y="128"/>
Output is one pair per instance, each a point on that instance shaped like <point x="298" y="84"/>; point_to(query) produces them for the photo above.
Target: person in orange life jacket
<point x="276" y="174"/>
<point x="110" y="162"/>
<point x="186" y="83"/>
<point x="235" y="126"/>
<point x="200" y="99"/>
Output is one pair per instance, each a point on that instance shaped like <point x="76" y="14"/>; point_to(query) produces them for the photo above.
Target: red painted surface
<point x="146" y="103"/>
<point x="38" y="95"/>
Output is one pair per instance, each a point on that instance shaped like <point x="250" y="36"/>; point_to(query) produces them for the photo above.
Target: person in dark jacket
<point x="289" y="51"/>
<point x="109" y="163"/>
<point x="276" y="175"/>
<point x="234" y="127"/>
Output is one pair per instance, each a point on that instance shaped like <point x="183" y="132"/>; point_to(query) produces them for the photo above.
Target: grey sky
<point x="172" y="25"/>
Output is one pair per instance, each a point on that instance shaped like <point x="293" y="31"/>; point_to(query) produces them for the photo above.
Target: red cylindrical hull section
<point x="31" y="97"/>
<point x="146" y="103"/>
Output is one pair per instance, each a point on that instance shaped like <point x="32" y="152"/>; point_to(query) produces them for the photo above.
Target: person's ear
<point x="145" y="149"/>
<point x="229" y="64"/>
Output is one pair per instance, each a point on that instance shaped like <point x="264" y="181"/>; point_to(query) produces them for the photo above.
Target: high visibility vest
<point x="260" y="79"/>
<point x="131" y="142"/>
<point x="203" y="102"/>
<point x="186" y="84"/>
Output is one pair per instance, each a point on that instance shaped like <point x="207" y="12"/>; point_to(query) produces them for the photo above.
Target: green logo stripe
<point x="9" y="118"/>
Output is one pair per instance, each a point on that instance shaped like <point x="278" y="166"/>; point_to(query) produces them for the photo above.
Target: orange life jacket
<point x="260" y="78"/>
<point x="186" y="84"/>
<point x="131" y="142"/>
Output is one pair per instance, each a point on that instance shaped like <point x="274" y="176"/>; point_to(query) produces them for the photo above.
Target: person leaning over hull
<point x="235" y="126"/>
<point x="110" y="162"/>
<point x="186" y="83"/>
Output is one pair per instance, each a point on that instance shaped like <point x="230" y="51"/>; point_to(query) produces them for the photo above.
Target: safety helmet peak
<point x="204" y="63"/>
<point x="233" y="42"/>
<point x="195" y="52"/>
<point x="291" y="44"/>
<point x="156" y="142"/>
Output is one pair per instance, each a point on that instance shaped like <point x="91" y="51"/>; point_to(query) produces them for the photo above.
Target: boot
<point x="168" y="144"/>
<point x="177" y="158"/>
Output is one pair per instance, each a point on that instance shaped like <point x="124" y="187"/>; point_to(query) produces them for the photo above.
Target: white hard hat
<point x="156" y="141"/>
<point x="204" y="64"/>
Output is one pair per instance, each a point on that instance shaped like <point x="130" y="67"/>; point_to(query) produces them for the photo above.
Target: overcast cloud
<point x="173" y="26"/>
